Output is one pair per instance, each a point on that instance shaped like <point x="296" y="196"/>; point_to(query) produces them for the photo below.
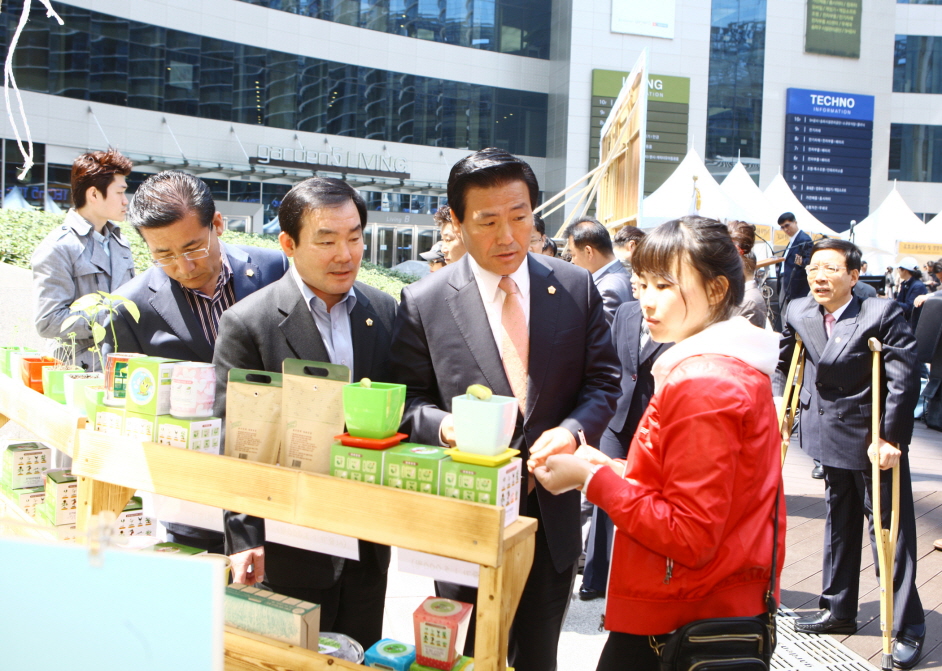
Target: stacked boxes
<point x="60" y="504"/>
<point x="109" y="419"/>
<point x="356" y="463"/>
<point x="28" y="499"/>
<point x="493" y="485"/>
<point x="149" y="380"/>
<point x="413" y="467"/>
<point x="139" y="426"/>
<point x="199" y="435"/>
<point x="24" y="465"/>
<point x="133" y="522"/>
<point x="273" y="615"/>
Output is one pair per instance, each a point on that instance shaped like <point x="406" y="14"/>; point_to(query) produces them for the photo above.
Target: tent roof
<point x="743" y="190"/>
<point x="673" y="198"/>
<point x="781" y="198"/>
<point x="890" y="223"/>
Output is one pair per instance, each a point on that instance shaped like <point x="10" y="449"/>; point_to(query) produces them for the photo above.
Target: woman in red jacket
<point x="694" y="502"/>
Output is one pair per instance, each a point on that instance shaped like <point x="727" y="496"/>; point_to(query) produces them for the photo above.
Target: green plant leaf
<point x="86" y="303"/>
<point x="132" y="309"/>
<point x="69" y="322"/>
<point x="98" y="332"/>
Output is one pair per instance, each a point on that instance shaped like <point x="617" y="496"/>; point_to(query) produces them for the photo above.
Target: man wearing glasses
<point x="836" y="410"/>
<point x="793" y="282"/>
<point x="194" y="279"/>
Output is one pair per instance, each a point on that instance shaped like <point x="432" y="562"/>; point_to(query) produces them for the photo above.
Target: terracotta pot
<point x="31" y="370"/>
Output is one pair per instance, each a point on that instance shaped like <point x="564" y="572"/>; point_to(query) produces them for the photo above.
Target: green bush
<point x="21" y="231"/>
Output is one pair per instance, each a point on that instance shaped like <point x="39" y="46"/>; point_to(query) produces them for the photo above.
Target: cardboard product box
<point x="253" y="415"/>
<point x="463" y="664"/>
<point x="175" y="548"/>
<point x="493" y="485"/>
<point x="109" y="419"/>
<point x="67" y="532"/>
<point x="356" y="463"/>
<point x="273" y="615"/>
<point x="140" y="426"/>
<point x="24" y="465"/>
<point x="29" y="500"/>
<point x="441" y="626"/>
<point x="311" y="413"/>
<point x="200" y="435"/>
<point x="60" y="504"/>
<point x="148" y="386"/>
<point x="413" y="467"/>
<point x="391" y="655"/>
<point x="132" y="521"/>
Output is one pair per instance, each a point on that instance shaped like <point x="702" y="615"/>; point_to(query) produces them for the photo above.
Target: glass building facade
<point x="917" y="64"/>
<point x="106" y="59"/>
<point x="519" y="27"/>
<point x="734" y="99"/>
<point x="915" y="153"/>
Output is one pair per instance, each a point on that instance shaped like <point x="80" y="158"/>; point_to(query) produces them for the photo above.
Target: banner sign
<point x="828" y="149"/>
<point x="643" y="17"/>
<point x="832" y="27"/>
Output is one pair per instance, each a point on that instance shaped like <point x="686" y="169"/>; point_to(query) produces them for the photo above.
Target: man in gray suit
<point x="591" y="247"/>
<point x="316" y="312"/>
<point x="835" y="428"/>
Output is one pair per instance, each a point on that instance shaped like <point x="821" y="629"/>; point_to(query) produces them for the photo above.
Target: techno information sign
<point x="828" y="147"/>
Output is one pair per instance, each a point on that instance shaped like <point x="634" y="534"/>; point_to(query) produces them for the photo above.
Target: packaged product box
<point x="140" y="426"/>
<point x="175" y="548"/>
<point x="253" y="415"/>
<point x="200" y="435"/>
<point x="273" y="615"/>
<point x="28" y="499"/>
<point x="66" y="532"/>
<point x="390" y="655"/>
<point x="59" y="506"/>
<point x="463" y="664"/>
<point x="494" y="485"/>
<point x="132" y="521"/>
<point x="356" y="463"/>
<point x="24" y="465"/>
<point x="311" y="413"/>
<point x="109" y="419"/>
<point x="148" y="386"/>
<point x="413" y="467"/>
<point x="440" y="629"/>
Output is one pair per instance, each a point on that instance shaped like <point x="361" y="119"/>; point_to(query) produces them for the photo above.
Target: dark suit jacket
<point x="167" y="326"/>
<point x="626" y="334"/>
<point x="863" y="291"/>
<point x="835" y="399"/>
<point x="615" y="288"/>
<point x="442" y="343"/>
<point x="794" y="282"/>
<point x="259" y="333"/>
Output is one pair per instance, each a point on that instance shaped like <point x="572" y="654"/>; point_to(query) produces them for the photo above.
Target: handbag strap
<point x="770" y="595"/>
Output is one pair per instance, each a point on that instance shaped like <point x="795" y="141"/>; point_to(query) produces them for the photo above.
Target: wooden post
<point x="95" y="497"/>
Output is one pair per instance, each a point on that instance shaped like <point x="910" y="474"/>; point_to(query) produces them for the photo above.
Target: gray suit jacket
<point x="863" y="291"/>
<point x="614" y="285"/>
<point x="68" y="264"/>
<point x="442" y="343"/>
<point x="835" y="399"/>
<point x="259" y="333"/>
<point x="753" y="307"/>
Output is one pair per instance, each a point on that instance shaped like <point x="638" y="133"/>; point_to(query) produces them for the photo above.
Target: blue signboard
<point x="828" y="150"/>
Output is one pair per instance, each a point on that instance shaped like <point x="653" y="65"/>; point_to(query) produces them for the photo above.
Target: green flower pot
<point x="375" y="411"/>
<point x="54" y="381"/>
<point x="484" y="427"/>
<point x="5" y="354"/>
<point x="75" y="383"/>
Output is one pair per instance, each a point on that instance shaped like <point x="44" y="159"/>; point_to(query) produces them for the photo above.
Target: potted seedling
<point x="91" y="308"/>
<point x="373" y="409"/>
<point x="53" y="377"/>
<point x="484" y="422"/>
<point x="10" y="356"/>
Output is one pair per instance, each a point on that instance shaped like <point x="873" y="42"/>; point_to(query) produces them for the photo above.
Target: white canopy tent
<point x="674" y="198"/>
<point x="782" y="199"/>
<point x="14" y="200"/>
<point x="743" y="190"/>
<point x="891" y="223"/>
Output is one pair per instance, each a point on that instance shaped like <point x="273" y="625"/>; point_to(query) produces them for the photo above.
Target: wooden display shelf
<point x="55" y="424"/>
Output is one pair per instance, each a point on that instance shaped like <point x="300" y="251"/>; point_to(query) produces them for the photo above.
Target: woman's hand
<point x="593" y="455"/>
<point x="562" y="473"/>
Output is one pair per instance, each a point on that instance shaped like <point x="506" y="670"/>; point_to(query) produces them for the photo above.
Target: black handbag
<point x="725" y="643"/>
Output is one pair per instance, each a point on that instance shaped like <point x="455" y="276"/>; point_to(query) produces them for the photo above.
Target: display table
<point x="112" y="468"/>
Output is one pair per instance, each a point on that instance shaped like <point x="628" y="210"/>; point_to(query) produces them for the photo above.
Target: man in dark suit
<point x="590" y="244"/>
<point x="524" y="325"/>
<point x="792" y="280"/>
<point x="835" y="428"/>
<point x="316" y="312"/>
<point x="194" y="279"/>
<point x="637" y="353"/>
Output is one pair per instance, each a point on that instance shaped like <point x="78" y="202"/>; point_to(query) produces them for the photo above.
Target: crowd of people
<point x="645" y="369"/>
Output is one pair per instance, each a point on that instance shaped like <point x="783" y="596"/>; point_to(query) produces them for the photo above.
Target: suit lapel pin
<point x="551" y="289"/>
<point x="250" y="272"/>
<point x="369" y="322"/>
<point x="837" y="340"/>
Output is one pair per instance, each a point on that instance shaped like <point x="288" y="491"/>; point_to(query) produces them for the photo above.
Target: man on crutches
<point x="837" y="408"/>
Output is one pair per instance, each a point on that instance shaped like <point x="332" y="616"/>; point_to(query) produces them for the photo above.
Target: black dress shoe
<point x="588" y="594"/>
<point x="907" y="648"/>
<point x="823" y="622"/>
<point x="818" y="471"/>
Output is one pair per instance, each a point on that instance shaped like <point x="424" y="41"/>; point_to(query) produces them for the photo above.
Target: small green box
<point x="493" y="485"/>
<point x="29" y="500"/>
<point x="357" y="463"/>
<point x="141" y="426"/>
<point x="148" y="389"/>
<point x="199" y="435"/>
<point x="24" y="465"/>
<point x="273" y="615"/>
<point x="413" y="467"/>
<point x="109" y="419"/>
<point x="132" y="521"/>
<point x="59" y="506"/>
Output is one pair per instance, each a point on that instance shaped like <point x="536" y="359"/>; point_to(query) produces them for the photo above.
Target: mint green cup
<point x="373" y="412"/>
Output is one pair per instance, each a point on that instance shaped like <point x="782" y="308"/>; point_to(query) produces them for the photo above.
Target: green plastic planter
<point x="75" y="383"/>
<point x="375" y="411"/>
<point x="5" y="353"/>
<point x="484" y="427"/>
<point x="54" y="381"/>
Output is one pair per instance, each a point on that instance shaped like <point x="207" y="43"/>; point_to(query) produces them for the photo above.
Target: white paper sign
<point x="177" y="511"/>
<point x="642" y="17"/>
<point x="312" y="539"/>
<point x="439" y="568"/>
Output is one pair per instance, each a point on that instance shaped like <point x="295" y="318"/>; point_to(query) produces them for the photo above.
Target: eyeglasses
<point x="829" y="271"/>
<point x="192" y="255"/>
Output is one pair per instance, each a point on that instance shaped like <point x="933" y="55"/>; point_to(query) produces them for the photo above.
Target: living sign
<point x="334" y="158"/>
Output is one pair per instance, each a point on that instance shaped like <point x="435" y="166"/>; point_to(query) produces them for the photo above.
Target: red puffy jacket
<point x="694" y="511"/>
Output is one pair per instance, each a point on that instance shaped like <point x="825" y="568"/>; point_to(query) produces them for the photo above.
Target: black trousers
<point x="534" y="634"/>
<point x="602" y="531"/>
<point x="354" y="605"/>
<point x="847" y="494"/>
<point x="627" y="652"/>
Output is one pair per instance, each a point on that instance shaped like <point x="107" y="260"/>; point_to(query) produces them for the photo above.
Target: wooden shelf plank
<point x="249" y="652"/>
<point x="54" y="423"/>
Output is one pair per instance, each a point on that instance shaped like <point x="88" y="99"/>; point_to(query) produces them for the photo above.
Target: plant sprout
<point x="90" y="306"/>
